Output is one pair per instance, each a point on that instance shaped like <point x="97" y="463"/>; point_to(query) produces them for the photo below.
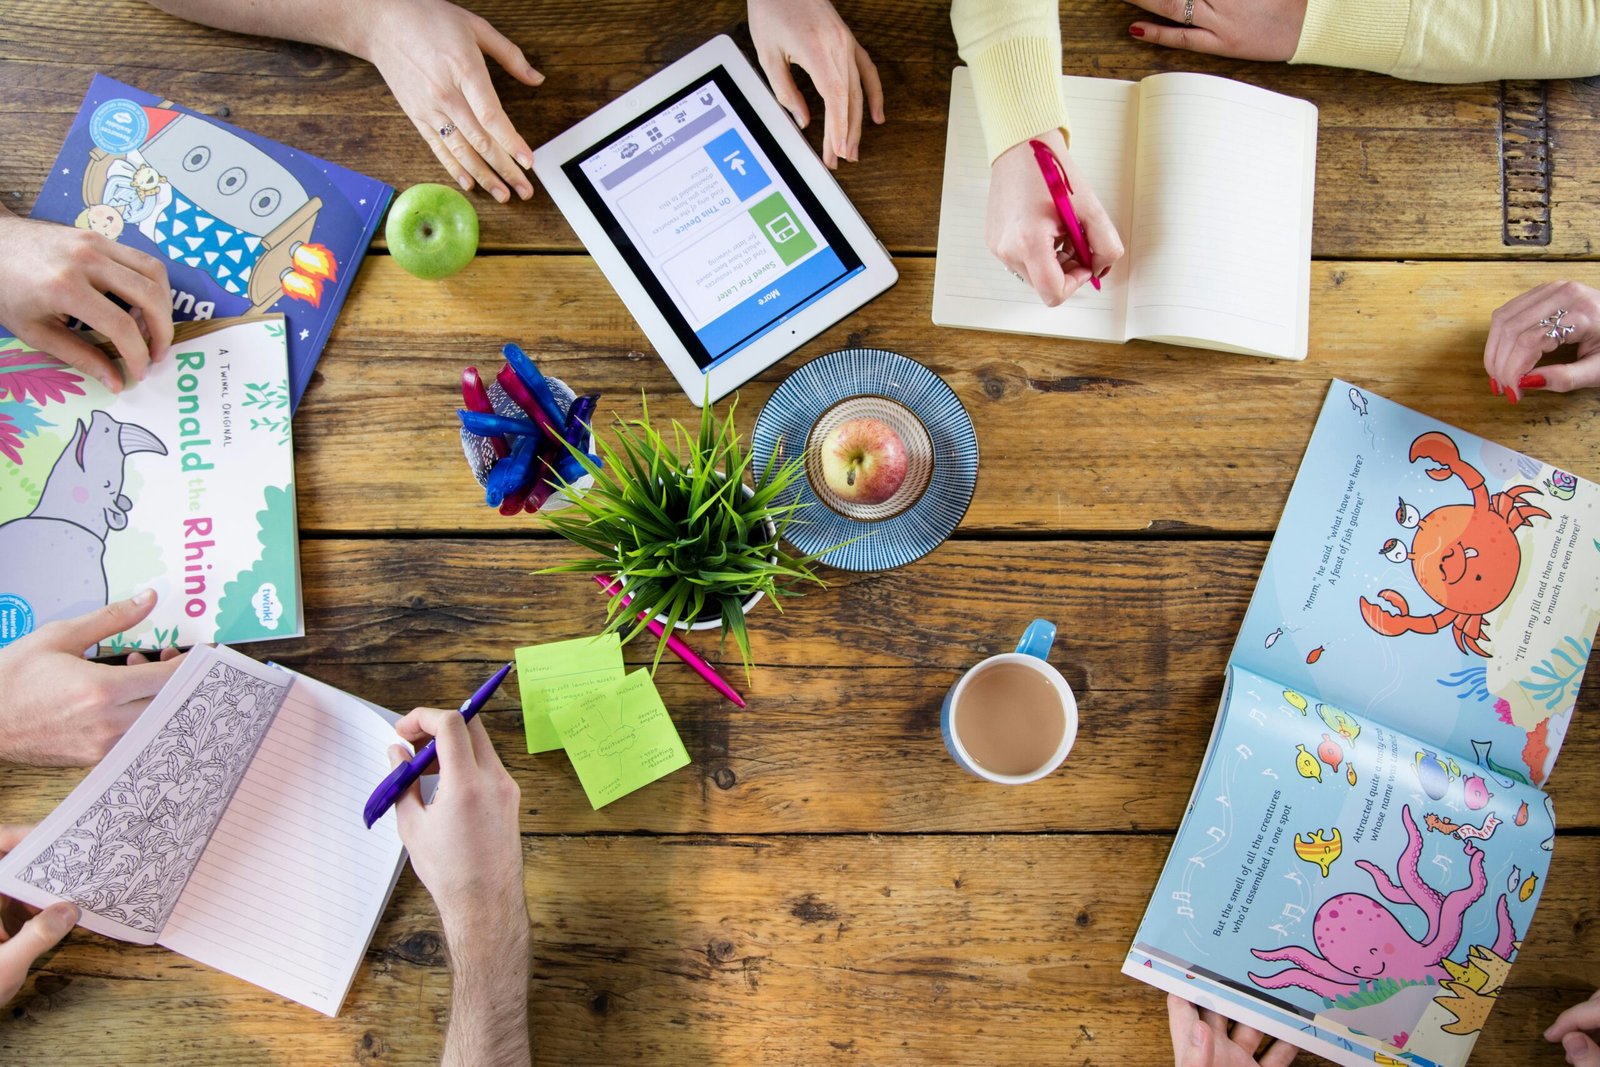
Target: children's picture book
<point x="1209" y="184"/>
<point x="226" y="825"/>
<point x="1368" y="838"/>
<point x="244" y="225"/>
<point x="182" y="483"/>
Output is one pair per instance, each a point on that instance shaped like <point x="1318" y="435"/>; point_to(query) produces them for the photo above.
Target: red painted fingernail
<point x="1531" y="381"/>
<point x="1137" y="31"/>
<point x="1494" y="387"/>
<point x="1511" y="396"/>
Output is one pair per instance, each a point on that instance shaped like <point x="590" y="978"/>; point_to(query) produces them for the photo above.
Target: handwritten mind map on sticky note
<point x="620" y="739"/>
<point x="559" y="673"/>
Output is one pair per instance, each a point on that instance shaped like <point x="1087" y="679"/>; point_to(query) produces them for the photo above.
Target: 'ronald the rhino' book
<point x="1368" y="836"/>
<point x="243" y="224"/>
<point x="183" y="483"/>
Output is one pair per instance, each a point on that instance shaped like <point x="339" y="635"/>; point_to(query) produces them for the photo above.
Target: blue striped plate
<point x="785" y="423"/>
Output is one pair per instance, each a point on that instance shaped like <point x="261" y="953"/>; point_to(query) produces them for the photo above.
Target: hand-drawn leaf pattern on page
<point x="130" y="853"/>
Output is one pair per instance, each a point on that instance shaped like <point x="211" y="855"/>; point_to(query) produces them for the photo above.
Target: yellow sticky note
<point x="620" y="738"/>
<point x="562" y="671"/>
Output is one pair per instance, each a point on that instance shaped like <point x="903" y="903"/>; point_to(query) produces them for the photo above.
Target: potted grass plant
<point x="689" y="528"/>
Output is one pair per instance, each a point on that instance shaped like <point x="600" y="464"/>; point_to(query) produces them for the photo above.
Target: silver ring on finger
<point x="447" y="129"/>
<point x="1188" y="12"/>
<point x="1018" y="276"/>
<point x="1555" y="328"/>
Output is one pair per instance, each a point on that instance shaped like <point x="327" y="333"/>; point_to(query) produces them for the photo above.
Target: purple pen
<point x="388" y="792"/>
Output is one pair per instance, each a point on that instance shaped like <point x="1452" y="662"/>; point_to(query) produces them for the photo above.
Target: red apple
<point x="864" y="461"/>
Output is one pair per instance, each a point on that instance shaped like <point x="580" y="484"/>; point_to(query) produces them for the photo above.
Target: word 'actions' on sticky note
<point x="619" y="739"/>
<point x="560" y="672"/>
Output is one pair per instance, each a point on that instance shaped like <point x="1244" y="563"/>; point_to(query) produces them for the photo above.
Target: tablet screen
<point x="712" y="218"/>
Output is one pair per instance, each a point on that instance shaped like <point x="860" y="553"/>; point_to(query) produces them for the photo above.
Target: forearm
<point x="330" y="24"/>
<point x="1013" y="48"/>
<point x="489" y="964"/>
<point x="1454" y="41"/>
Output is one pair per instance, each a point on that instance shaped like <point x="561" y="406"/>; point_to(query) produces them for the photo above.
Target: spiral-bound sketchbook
<point x="226" y="826"/>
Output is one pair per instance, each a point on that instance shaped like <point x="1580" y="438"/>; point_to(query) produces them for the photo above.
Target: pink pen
<point x="1055" y="178"/>
<point x="679" y="649"/>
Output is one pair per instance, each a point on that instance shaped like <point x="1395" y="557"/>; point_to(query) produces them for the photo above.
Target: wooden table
<point x="822" y="883"/>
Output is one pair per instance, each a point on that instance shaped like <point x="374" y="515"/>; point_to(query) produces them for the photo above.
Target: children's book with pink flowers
<point x="1367" y="838"/>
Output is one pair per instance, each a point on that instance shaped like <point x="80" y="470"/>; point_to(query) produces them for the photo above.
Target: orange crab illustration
<point x="1465" y="557"/>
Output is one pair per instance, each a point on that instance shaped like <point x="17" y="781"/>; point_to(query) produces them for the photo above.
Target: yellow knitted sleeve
<point x="1454" y="40"/>
<point x="1013" y="48"/>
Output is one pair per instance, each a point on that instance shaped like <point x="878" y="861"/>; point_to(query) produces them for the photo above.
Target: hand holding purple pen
<point x="401" y="778"/>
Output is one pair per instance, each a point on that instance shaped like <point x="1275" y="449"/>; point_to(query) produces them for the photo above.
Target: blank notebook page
<point x="1222" y="214"/>
<point x="292" y="884"/>
<point x="974" y="289"/>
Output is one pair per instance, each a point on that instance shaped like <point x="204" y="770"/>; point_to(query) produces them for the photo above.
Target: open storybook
<point x="1209" y="183"/>
<point x="226" y="825"/>
<point x="1367" y="839"/>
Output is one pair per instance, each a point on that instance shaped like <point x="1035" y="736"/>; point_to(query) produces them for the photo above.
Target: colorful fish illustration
<point x="1475" y="792"/>
<point x="1350" y="774"/>
<point x="1272" y="638"/>
<point x="1516" y="876"/>
<point x="1296" y="699"/>
<point x="1314" y="655"/>
<point x="1339" y="722"/>
<point x="1526" y="889"/>
<point x="1522" y="814"/>
<point x="1359" y="402"/>
<point x="1319" y="847"/>
<point x="1307" y="764"/>
<point x="1330" y="753"/>
<point x="1433" y="774"/>
<point x="1480" y="752"/>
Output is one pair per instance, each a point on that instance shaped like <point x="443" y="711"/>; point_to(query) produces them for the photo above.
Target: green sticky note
<point x="562" y="671"/>
<point x="620" y="739"/>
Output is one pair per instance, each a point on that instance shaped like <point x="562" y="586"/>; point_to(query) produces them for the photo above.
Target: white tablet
<point x="723" y="232"/>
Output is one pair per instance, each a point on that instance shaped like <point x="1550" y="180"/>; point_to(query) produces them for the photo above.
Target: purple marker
<point x="388" y="792"/>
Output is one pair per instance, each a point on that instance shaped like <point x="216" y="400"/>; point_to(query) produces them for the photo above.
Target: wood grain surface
<point x="822" y="884"/>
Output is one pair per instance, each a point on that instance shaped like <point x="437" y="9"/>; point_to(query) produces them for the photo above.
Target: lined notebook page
<point x="1222" y="215"/>
<point x="970" y="286"/>
<point x="292" y="885"/>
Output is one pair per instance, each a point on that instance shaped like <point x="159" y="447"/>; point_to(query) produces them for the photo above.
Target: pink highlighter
<point x="1055" y="179"/>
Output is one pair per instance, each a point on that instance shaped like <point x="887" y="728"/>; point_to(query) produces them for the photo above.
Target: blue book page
<point x="1436" y="582"/>
<point x="1331" y="884"/>
<point x="243" y="224"/>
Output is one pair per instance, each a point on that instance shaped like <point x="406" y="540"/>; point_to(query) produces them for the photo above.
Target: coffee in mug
<point x="1012" y="718"/>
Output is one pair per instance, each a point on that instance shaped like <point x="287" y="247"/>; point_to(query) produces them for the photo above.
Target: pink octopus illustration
<point x="1361" y="940"/>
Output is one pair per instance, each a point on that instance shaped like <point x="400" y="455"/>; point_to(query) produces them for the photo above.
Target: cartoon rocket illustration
<point x="1319" y="847"/>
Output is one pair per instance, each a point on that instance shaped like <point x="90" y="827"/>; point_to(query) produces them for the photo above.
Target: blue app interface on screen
<point x="715" y="222"/>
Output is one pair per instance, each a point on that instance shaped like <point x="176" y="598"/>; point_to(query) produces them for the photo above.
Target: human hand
<point x="50" y="273"/>
<point x="465" y="845"/>
<point x="1519" y="337"/>
<point x="1204" y="1039"/>
<point x="57" y="709"/>
<point x="1569" y="1029"/>
<point x="430" y="53"/>
<point x="1024" y="230"/>
<point x="811" y="35"/>
<point x="27" y="933"/>
<point x="1243" y="29"/>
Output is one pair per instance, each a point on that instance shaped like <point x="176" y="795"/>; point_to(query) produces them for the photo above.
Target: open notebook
<point x="226" y="826"/>
<point x="1208" y="181"/>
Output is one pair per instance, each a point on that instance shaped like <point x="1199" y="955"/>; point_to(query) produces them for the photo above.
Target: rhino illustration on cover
<point x="56" y="552"/>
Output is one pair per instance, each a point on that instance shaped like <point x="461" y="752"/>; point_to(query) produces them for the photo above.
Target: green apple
<point x="432" y="230"/>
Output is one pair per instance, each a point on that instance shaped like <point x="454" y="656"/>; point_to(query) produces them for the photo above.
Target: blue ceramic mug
<point x="1031" y="653"/>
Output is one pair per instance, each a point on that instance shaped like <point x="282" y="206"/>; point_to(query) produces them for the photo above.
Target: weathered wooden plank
<point x="1403" y="169"/>
<point x="788" y="950"/>
<point x="842" y="729"/>
<point x="1074" y="436"/>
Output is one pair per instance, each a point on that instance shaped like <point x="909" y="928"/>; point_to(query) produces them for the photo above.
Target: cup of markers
<point x="515" y="431"/>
